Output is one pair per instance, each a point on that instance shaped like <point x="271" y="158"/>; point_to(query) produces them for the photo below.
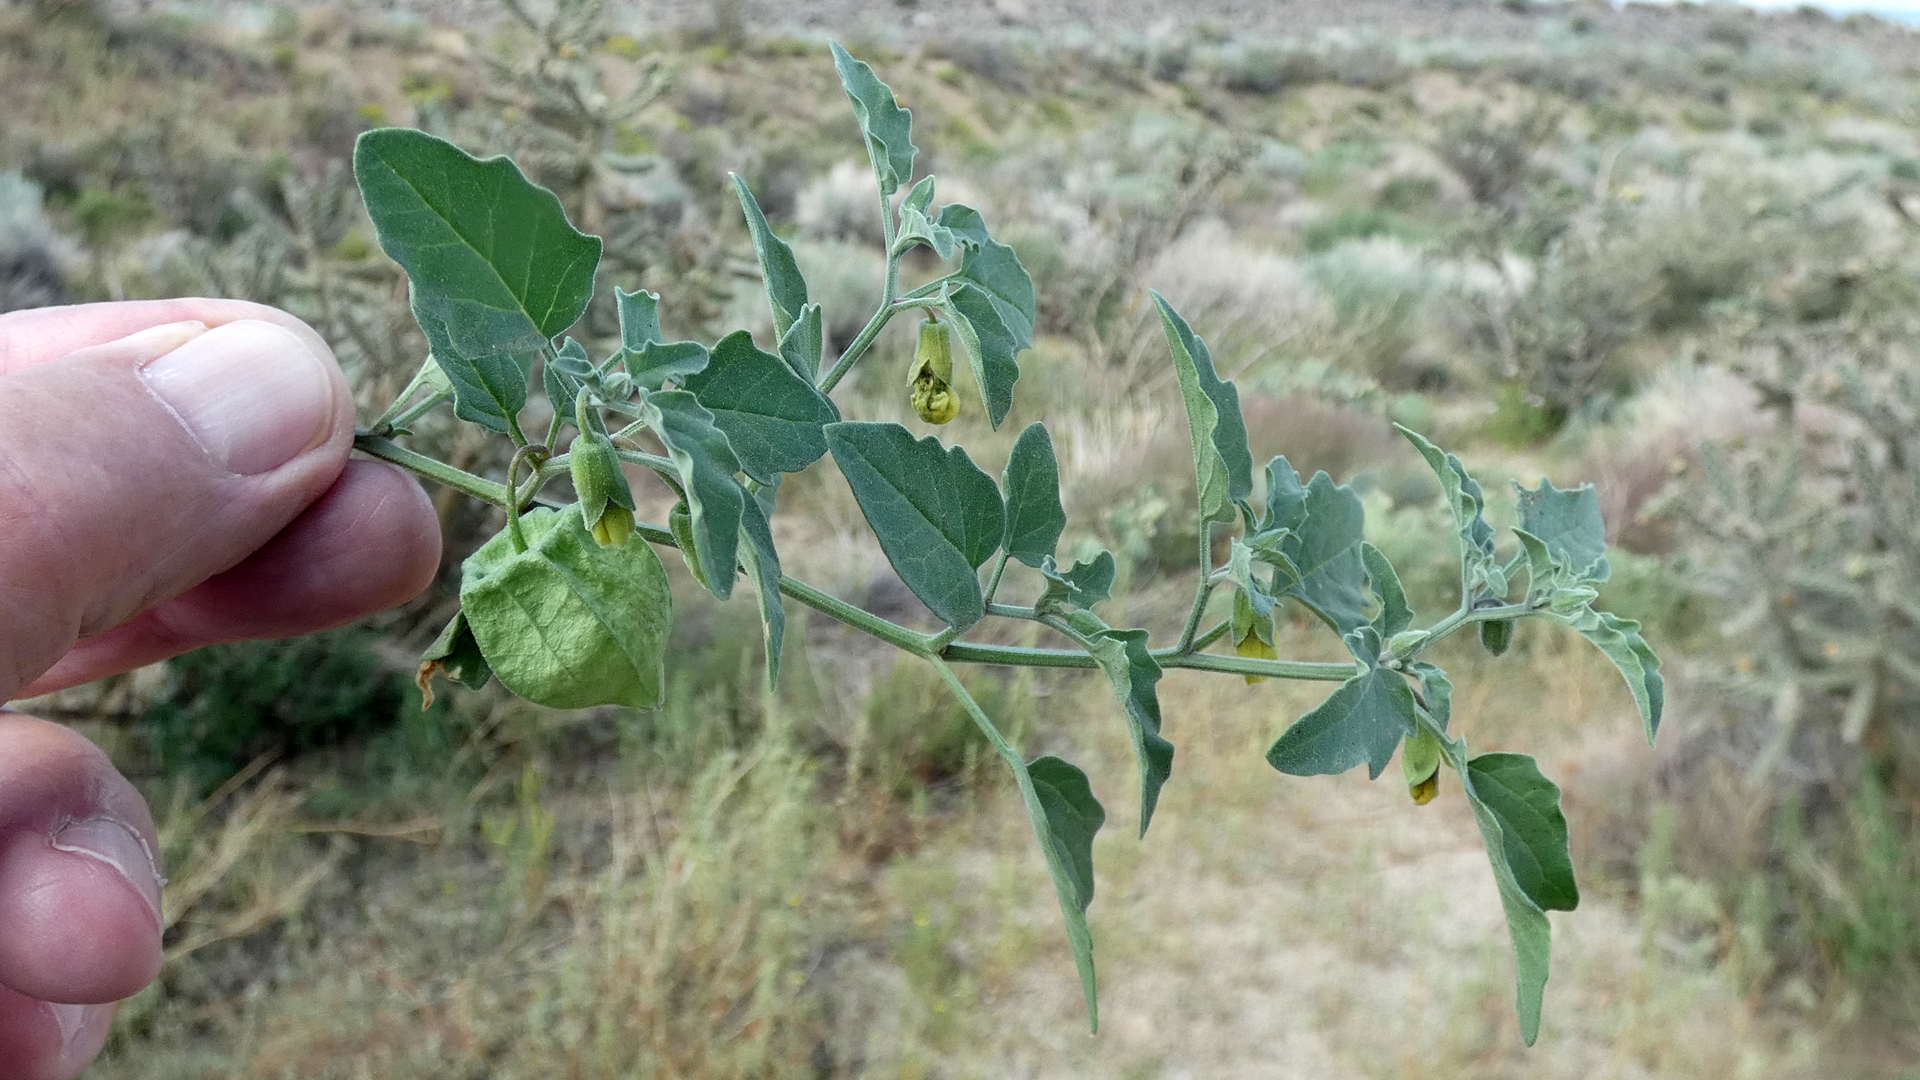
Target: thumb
<point x="132" y="471"/>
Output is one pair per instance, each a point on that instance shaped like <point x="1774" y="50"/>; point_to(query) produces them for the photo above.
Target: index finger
<point x="37" y="335"/>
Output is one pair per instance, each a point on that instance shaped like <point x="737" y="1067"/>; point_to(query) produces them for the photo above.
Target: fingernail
<point x="251" y="393"/>
<point x="119" y="847"/>
<point x="72" y="1020"/>
<point x="156" y="341"/>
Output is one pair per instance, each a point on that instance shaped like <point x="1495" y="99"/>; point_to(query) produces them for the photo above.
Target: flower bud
<point x="1252" y="634"/>
<point x="614" y="527"/>
<point x="602" y="489"/>
<point x="931" y="377"/>
<point x="1407" y="642"/>
<point x="1568" y="601"/>
<point x="680" y="523"/>
<point x="1420" y="764"/>
<point x="1424" y="791"/>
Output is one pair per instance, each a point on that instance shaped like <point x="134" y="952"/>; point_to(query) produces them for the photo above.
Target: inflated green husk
<point x="568" y="623"/>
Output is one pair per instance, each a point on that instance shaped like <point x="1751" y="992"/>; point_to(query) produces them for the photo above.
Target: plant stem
<point x="417" y="411"/>
<point x="651" y="461"/>
<point x="458" y="479"/>
<point x="1307" y="670"/>
<point x="966" y="652"/>
<point x="392" y="418"/>
<point x="1202" y="592"/>
<point x="893" y="633"/>
<point x="856" y="349"/>
<point x="993" y="582"/>
<point x="1213" y="634"/>
<point x="1465" y="616"/>
<point x="987" y="727"/>
<point x="890" y="632"/>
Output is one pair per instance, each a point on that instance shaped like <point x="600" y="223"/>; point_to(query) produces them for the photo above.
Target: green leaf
<point x="1569" y="524"/>
<point x="937" y="516"/>
<point x="1286" y="498"/>
<point x="567" y="623"/>
<point x="1543" y="575"/>
<point x="1326" y="550"/>
<point x="1620" y="640"/>
<point x="495" y="269"/>
<point x="1527" y="925"/>
<point x="639" y="318"/>
<point x="991" y="296"/>
<point x="1395" y="613"/>
<point x="1533" y="831"/>
<point x="1089" y="582"/>
<point x="1362" y="722"/>
<point x="1466" y="501"/>
<point x="563" y="384"/>
<point x="803" y="343"/>
<point x="918" y="227"/>
<point x="989" y="346"/>
<point x="772" y="417"/>
<point x="1133" y="673"/>
<point x="888" y="127"/>
<point x="704" y="461"/>
<point x="1253" y="592"/>
<point x="1436" y="688"/>
<point x="1032" y="484"/>
<point x="656" y="364"/>
<point x="650" y="361"/>
<point x="993" y="268"/>
<point x="1221" y="458"/>
<point x="762" y="564"/>
<point x="786" y="288"/>
<point x="921" y="197"/>
<point x="1065" y="817"/>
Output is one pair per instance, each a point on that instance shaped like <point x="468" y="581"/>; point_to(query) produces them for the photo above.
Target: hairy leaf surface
<point x="705" y="463"/>
<point x="495" y="269"/>
<point x="1325" y="548"/>
<point x="1031" y="481"/>
<point x="1360" y="723"/>
<point x="1065" y="817"/>
<point x="937" y="516"/>
<point x="1219" y="434"/>
<point x="1086" y="583"/>
<point x="888" y="128"/>
<point x="1134" y="673"/>
<point x="1532" y="828"/>
<point x="1527" y="926"/>
<point x="786" y="288"/>
<point x="1620" y="640"/>
<point x="803" y="343"/>
<point x="762" y="564"/>
<point x="1569" y="524"/>
<point x="773" y="418"/>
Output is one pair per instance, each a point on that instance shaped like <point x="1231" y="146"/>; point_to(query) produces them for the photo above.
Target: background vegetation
<point x="1671" y="251"/>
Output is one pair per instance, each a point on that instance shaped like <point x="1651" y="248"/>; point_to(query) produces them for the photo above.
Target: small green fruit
<point x="1497" y="635"/>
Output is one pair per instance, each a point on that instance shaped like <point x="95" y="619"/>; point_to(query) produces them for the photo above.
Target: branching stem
<point x="420" y="464"/>
<point x="1202" y="592"/>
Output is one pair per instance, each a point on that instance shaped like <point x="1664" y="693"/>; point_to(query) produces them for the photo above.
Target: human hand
<point x="172" y="474"/>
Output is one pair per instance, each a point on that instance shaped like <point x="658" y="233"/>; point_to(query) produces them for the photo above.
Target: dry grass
<point x="1273" y="927"/>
